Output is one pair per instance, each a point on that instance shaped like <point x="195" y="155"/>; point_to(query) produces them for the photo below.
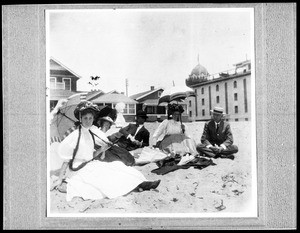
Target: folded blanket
<point x="171" y="165"/>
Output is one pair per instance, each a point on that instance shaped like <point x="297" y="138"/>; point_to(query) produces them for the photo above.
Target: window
<point x="246" y="119"/>
<point x="202" y="90"/>
<point x="190" y="113"/>
<point x="202" y="101"/>
<point x="159" y="93"/>
<point x="236" y="109"/>
<point x="234" y="84"/>
<point x="190" y="103"/>
<point x="203" y="112"/>
<point x="218" y="99"/>
<point x="235" y="96"/>
<point x="236" y="119"/>
<point x="52" y="83"/>
<point x="67" y="82"/>
<point x="217" y="87"/>
<point x="60" y="83"/>
<point x="131" y="108"/>
<point x="125" y="110"/>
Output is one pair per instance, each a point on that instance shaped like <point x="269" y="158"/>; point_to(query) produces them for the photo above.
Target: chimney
<point x="152" y="88"/>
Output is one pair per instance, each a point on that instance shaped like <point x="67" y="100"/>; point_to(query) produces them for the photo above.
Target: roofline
<point x="220" y="79"/>
<point x="243" y="62"/>
<point x="151" y="91"/>
<point x="65" y="67"/>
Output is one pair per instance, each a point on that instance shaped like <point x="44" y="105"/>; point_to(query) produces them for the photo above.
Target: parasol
<point x="64" y="119"/>
<point x="175" y="93"/>
<point x="63" y="123"/>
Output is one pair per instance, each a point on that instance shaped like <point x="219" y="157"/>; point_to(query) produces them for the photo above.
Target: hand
<point x="214" y="149"/>
<point x="102" y="156"/>
<point x="110" y="144"/>
<point x="183" y="128"/>
<point x="220" y="149"/>
<point x="137" y="143"/>
<point x="61" y="103"/>
<point x="98" y="152"/>
<point x="56" y="184"/>
<point x="131" y="138"/>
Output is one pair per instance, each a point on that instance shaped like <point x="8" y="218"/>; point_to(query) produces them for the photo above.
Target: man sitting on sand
<point x="217" y="139"/>
<point x="133" y="136"/>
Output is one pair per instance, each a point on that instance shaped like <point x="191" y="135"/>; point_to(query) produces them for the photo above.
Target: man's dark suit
<point x="121" y="139"/>
<point x="213" y="137"/>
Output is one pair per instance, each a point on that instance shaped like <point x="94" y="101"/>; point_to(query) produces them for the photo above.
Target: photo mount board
<point x="25" y="125"/>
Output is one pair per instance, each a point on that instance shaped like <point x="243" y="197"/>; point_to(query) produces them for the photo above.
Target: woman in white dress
<point x="171" y="135"/>
<point x="93" y="179"/>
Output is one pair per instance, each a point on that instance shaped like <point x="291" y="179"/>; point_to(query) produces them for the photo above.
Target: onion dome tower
<point x="198" y="74"/>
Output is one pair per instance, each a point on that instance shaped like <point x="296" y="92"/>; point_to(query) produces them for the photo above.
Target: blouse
<point x="167" y="127"/>
<point x="85" y="148"/>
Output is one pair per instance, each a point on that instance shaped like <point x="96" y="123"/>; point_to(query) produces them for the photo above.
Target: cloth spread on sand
<point x="171" y="165"/>
<point x="148" y="155"/>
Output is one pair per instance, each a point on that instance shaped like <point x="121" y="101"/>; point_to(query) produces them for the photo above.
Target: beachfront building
<point x="63" y="82"/>
<point x="148" y="101"/>
<point x="230" y="89"/>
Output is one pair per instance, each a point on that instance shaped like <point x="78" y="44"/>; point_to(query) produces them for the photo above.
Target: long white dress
<point x="171" y="138"/>
<point x="97" y="179"/>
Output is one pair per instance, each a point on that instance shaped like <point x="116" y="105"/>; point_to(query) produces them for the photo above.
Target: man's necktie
<point x="217" y="128"/>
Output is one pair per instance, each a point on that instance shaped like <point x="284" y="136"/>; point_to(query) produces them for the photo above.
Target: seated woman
<point x="171" y="135"/>
<point x="106" y="150"/>
<point x="89" y="178"/>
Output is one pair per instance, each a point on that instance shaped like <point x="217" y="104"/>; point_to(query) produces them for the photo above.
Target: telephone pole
<point x="126" y="83"/>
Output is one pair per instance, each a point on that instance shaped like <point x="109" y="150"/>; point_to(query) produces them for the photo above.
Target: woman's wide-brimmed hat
<point x="175" y="108"/>
<point x="107" y="118"/>
<point x="83" y="106"/>
<point x="141" y="113"/>
<point x="218" y="110"/>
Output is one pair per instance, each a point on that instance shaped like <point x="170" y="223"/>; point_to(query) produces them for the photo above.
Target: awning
<point x="153" y="102"/>
<point x="114" y="98"/>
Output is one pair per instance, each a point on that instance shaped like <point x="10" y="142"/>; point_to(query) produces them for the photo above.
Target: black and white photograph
<point x="151" y="112"/>
<point x="149" y="116"/>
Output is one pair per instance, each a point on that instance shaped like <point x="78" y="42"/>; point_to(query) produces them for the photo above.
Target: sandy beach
<point x="222" y="188"/>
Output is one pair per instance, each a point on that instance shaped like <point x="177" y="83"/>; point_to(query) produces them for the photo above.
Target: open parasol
<point x="64" y="119"/>
<point x="175" y="93"/>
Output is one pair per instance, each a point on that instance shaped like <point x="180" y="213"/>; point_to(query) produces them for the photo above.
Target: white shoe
<point x="185" y="159"/>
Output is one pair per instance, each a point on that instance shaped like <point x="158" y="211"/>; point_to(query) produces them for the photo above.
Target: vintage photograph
<point x="151" y="112"/>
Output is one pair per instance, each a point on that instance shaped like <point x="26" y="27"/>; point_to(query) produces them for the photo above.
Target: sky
<point x="148" y="47"/>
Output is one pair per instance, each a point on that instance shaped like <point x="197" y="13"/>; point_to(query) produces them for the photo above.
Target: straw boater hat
<point x="218" y="110"/>
<point x="107" y="118"/>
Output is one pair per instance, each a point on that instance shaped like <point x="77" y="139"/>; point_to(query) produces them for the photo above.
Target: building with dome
<point x="198" y="74"/>
<point x="230" y="89"/>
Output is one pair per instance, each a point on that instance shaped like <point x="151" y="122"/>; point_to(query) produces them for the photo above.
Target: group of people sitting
<point x="97" y="166"/>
